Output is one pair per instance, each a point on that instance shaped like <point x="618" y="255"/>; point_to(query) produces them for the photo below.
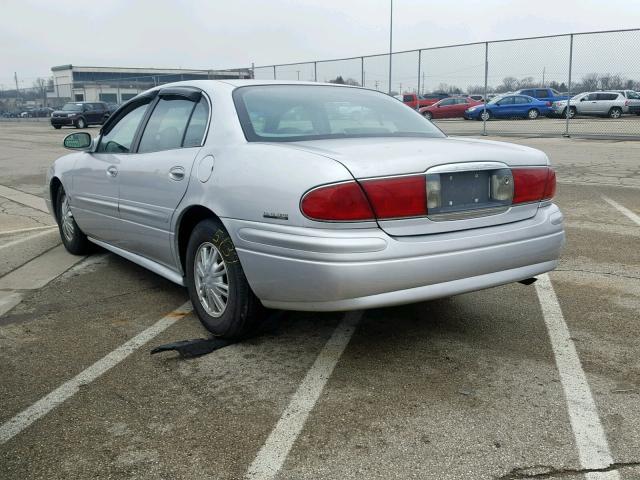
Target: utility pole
<point x="543" y="72"/>
<point x="15" y="76"/>
<point x="423" y="83"/>
<point x="400" y="92"/>
<point x="390" y="43"/>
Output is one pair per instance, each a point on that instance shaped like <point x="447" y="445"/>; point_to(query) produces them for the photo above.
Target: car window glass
<point x="120" y="136"/>
<point x="522" y="100"/>
<point x="542" y="94"/>
<point x="461" y="101"/>
<point x="197" y="125"/>
<point x="506" y="101"/>
<point x="448" y="101"/>
<point x="167" y="125"/>
<point x="592" y="96"/>
<point x="407" y="98"/>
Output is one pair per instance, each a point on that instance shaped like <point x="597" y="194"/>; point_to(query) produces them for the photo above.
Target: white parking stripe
<point x="31" y="229"/>
<point x="8" y="300"/>
<point x="43" y="406"/>
<point x="274" y="452"/>
<point x="24" y="239"/>
<point x="624" y="210"/>
<point x="24" y="198"/>
<point x="591" y="441"/>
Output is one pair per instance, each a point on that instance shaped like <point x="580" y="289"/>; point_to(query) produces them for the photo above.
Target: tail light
<point x="549" y="104"/>
<point x="415" y="195"/>
<point x="340" y="202"/>
<point x="533" y="184"/>
<point x="397" y="197"/>
<point x="626" y="103"/>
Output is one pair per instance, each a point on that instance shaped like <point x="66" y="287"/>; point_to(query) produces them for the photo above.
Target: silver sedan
<point x="302" y="196"/>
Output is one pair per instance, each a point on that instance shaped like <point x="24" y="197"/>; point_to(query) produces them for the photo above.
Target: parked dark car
<point x="80" y="114"/>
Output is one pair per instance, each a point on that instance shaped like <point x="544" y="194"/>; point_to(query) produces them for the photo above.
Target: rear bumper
<point x="326" y="270"/>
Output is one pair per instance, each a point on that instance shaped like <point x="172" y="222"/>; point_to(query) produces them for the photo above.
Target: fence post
<point x="568" y="110"/>
<point x="486" y="75"/>
<point x="274" y="72"/>
<point x="419" y="65"/>
<point x="315" y="71"/>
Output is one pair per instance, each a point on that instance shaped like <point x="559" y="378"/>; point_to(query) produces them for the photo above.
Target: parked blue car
<point x="509" y="106"/>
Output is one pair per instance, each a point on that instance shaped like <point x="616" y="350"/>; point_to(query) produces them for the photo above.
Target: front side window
<point x="120" y="135"/>
<point x="72" y="107"/>
<point x="167" y="125"/>
<point x="287" y="113"/>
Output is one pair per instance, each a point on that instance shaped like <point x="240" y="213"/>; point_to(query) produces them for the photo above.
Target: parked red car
<point x="452" y="107"/>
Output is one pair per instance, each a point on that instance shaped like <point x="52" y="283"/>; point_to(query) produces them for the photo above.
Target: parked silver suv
<point x="610" y="103"/>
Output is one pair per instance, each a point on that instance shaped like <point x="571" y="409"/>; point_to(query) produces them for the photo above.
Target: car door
<point x="154" y="179"/>
<point x="95" y="176"/>
<point x="458" y="109"/>
<point x="443" y="108"/>
<point x="589" y="104"/>
<point x="504" y="108"/>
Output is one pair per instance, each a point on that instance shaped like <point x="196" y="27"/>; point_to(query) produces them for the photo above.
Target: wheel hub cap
<point x="68" y="228"/>
<point x="211" y="279"/>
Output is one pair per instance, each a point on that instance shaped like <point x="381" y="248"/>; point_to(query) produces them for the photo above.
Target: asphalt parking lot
<point x="514" y="382"/>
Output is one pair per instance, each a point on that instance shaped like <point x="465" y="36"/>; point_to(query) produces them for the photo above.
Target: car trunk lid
<point x="462" y="169"/>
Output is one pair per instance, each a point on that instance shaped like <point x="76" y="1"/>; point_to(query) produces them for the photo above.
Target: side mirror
<point x="77" y="141"/>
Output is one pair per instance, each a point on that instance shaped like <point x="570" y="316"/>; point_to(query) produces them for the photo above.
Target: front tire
<point x="428" y="115"/>
<point x="73" y="239"/>
<point x="57" y="127"/>
<point x="81" y="123"/>
<point x="485" y="115"/>
<point x="218" y="288"/>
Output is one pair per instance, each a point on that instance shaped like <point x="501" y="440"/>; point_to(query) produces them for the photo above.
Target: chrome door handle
<point x="176" y="173"/>
<point x="112" y="171"/>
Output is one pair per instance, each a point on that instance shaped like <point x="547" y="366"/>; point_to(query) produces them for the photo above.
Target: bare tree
<point x="40" y="86"/>
<point x="590" y="82"/>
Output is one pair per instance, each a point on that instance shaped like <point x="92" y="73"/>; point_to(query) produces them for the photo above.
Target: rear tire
<point x="73" y="239"/>
<point x="57" y="127"/>
<point x="533" y="114"/>
<point x="218" y="288"/>
<point x="615" y="112"/>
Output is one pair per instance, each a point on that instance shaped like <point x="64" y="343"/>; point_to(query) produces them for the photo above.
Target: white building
<point x="117" y="85"/>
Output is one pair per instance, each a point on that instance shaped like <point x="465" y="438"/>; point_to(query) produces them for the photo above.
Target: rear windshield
<point x="289" y="113"/>
<point x="72" y="107"/>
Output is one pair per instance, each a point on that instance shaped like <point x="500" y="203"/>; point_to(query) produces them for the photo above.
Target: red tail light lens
<point x="341" y="202"/>
<point x="548" y="104"/>
<point x="397" y="197"/>
<point x="533" y="184"/>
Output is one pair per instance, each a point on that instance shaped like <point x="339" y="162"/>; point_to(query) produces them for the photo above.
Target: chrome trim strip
<point x="466" y="214"/>
<point x="466" y="167"/>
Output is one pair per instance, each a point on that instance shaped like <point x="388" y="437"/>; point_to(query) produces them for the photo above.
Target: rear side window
<point x="197" y="125"/>
<point x="542" y="94"/>
<point x="522" y="100"/>
<point x="120" y="136"/>
<point x="527" y="92"/>
<point x="167" y="124"/>
<point x="607" y="96"/>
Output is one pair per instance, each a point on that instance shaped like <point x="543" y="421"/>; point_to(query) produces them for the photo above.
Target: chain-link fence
<point x="582" y="84"/>
<point x="574" y="85"/>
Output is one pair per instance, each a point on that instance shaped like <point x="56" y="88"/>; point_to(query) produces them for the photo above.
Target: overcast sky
<point x="35" y="35"/>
